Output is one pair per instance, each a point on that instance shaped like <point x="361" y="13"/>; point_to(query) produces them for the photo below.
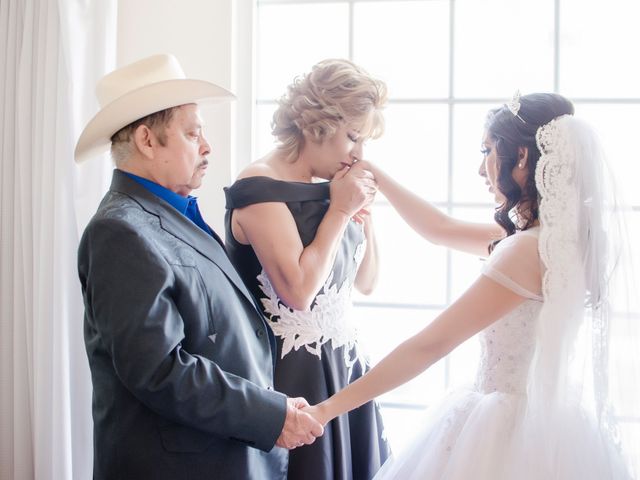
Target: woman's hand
<point x="352" y="189"/>
<point x="318" y="412"/>
<point x="362" y="216"/>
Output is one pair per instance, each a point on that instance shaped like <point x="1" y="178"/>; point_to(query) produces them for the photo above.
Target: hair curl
<point x="336" y="92"/>
<point x="509" y="134"/>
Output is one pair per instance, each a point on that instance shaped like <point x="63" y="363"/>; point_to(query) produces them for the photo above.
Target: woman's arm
<point x="296" y="272"/>
<point x="431" y="223"/>
<point x="367" y="275"/>
<point x="482" y="304"/>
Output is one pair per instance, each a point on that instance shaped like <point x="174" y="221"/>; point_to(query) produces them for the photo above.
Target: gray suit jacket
<point x="181" y="358"/>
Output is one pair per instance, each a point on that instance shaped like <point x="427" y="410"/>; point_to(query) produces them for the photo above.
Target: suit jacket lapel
<point x="181" y="227"/>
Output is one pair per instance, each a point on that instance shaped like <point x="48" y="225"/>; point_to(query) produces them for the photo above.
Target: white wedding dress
<point x="483" y="433"/>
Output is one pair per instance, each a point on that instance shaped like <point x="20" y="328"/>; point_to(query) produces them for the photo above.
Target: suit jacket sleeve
<point x="128" y="289"/>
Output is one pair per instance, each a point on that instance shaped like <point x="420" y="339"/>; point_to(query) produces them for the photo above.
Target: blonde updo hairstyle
<point x="336" y="92"/>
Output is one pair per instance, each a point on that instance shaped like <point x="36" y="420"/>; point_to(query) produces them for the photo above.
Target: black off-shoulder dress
<point x="318" y="352"/>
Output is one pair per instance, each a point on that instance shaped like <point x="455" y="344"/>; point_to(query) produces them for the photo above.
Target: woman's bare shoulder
<point x="263" y="167"/>
<point x="257" y="170"/>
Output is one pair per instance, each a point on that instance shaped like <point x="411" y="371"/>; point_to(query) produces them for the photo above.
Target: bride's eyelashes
<point x="485" y="151"/>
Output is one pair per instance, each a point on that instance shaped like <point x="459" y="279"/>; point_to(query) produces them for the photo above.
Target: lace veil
<point x="581" y="364"/>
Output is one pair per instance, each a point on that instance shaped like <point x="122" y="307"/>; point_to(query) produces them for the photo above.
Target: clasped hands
<point x="353" y="189"/>
<point x="300" y="428"/>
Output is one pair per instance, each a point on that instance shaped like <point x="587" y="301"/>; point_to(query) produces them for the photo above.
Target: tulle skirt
<point x="488" y="436"/>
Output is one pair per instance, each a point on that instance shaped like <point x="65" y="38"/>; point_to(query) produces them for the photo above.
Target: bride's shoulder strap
<point x="515" y="264"/>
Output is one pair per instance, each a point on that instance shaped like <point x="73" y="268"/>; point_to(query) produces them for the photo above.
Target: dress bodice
<point x="507" y="348"/>
<point x="508" y="345"/>
<point x="307" y="203"/>
<point x="328" y="320"/>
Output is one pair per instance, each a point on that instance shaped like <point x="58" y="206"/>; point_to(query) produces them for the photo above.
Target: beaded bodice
<point x="507" y="347"/>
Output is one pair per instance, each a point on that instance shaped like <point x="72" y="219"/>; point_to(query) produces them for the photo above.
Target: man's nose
<point x="205" y="148"/>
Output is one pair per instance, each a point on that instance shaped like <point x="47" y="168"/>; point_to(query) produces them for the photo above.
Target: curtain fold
<point x="51" y="55"/>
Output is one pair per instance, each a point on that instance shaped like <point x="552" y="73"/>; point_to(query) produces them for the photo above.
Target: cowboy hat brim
<point x="95" y="139"/>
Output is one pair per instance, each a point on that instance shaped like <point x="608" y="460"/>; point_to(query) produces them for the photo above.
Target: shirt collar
<point x="177" y="201"/>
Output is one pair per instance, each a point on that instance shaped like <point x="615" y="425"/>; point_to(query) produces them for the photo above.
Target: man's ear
<point x="523" y="156"/>
<point x="145" y="141"/>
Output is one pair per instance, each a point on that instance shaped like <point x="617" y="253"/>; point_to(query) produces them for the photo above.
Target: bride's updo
<point x="334" y="93"/>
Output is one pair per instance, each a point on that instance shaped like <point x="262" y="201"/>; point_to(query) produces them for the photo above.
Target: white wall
<point x="212" y="40"/>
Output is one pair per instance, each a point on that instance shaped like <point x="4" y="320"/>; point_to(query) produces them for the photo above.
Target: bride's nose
<point x="482" y="171"/>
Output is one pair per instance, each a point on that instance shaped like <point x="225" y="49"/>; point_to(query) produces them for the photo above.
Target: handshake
<point x="300" y="428"/>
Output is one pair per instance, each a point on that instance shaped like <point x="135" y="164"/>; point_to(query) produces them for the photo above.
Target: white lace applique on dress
<point x="328" y="320"/>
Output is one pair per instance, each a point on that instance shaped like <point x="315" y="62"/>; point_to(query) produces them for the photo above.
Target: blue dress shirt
<point x="188" y="206"/>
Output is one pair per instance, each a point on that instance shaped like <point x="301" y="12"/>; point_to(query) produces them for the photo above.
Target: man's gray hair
<point x="122" y="145"/>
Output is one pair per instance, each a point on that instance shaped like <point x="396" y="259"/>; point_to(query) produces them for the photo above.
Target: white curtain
<point x="51" y="54"/>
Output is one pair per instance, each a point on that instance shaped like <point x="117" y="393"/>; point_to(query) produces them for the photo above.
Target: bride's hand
<point x="318" y="412"/>
<point x="368" y="166"/>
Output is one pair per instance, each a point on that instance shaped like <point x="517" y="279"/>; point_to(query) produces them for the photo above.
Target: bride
<point x="531" y="413"/>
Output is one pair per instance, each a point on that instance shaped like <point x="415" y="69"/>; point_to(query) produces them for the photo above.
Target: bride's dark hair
<point x="510" y="132"/>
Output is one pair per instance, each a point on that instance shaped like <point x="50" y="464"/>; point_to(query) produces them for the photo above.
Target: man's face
<point x="181" y="163"/>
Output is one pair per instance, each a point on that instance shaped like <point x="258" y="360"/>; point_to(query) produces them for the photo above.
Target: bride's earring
<point x="522" y="157"/>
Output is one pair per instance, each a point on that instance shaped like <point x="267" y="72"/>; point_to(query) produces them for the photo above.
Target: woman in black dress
<point x="302" y="245"/>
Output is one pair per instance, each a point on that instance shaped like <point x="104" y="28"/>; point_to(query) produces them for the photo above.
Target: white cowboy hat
<point x="137" y="90"/>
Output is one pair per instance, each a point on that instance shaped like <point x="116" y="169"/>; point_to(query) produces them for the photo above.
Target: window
<point x="446" y="62"/>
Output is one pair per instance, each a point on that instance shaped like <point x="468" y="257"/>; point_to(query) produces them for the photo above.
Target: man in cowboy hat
<point x="180" y="356"/>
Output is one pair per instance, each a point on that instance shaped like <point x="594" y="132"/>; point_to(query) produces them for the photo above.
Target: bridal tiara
<point x="514" y="106"/>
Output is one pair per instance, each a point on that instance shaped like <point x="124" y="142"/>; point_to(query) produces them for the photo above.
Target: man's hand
<point x="299" y="428"/>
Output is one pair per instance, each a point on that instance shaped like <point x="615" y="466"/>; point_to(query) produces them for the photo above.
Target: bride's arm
<point x="482" y="304"/>
<point x="431" y="223"/>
